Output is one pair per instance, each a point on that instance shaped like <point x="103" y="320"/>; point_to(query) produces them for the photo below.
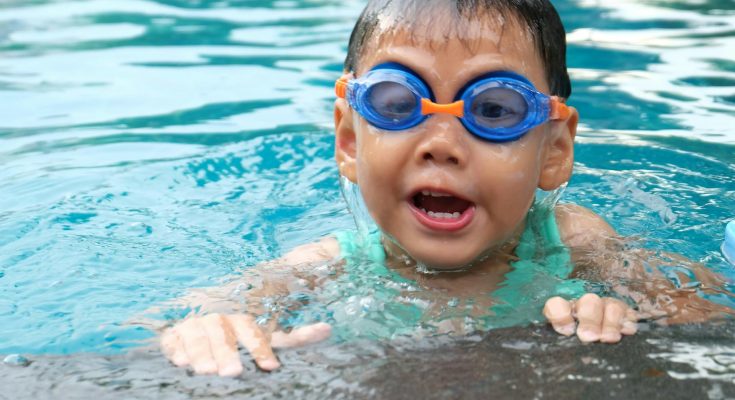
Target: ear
<point x="345" y="140"/>
<point x="557" y="168"/>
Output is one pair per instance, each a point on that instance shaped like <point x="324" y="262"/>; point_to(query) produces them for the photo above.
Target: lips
<point x="441" y="210"/>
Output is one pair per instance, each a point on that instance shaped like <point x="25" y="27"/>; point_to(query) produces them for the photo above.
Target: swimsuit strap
<point x="350" y="247"/>
<point x="368" y="255"/>
<point x="541" y="240"/>
<point x="541" y="272"/>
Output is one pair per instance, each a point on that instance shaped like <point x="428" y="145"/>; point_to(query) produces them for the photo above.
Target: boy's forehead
<point x="447" y="45"/>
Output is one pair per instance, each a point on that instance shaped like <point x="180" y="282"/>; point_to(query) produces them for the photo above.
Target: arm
<point x="209" y="343"/>
<point x="297" y="268"/>
<point x="601" y="255"/>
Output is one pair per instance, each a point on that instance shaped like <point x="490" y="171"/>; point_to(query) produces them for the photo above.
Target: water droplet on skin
<point x="424" y="269"/>
<point x="263" y="319"/>
<point x="244" y="286"/>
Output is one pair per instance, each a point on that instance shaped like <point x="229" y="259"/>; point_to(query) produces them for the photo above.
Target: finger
<point x="630" y="324"/>
<point x="559" y="313"/>
<point x="589" y="314"/>
<point x="252" y="337"/>
<point x="173" y="348"/>
<point x="301" y="336"/>
<point x="612" y="322"/>
<point x="197" y="347"/>
<point x="223" y="345"/>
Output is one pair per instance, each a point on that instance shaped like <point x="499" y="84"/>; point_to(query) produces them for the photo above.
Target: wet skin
<point x="441" y="157"/>
<point x="497" y="179"/>
<point x="498" y="182"/>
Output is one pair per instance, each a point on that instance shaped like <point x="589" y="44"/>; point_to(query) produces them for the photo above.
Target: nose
<point x="444" y="142"/>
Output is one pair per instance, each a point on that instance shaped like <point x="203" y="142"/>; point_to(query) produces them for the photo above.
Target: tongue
<point x="442" y="204"/>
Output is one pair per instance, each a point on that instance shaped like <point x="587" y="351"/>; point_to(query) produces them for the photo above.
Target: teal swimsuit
<point x="541" y="271"/>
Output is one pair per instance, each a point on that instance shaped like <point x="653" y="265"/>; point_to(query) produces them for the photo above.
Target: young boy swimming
<point x="449" y="117"/>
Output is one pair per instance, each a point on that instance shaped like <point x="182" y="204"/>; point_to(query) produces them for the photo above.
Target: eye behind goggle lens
<point x="499" y="107"/>
<point x="393" y="101"/>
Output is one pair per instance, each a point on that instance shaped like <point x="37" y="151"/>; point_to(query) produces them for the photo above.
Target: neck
<point x="491" y="265"/>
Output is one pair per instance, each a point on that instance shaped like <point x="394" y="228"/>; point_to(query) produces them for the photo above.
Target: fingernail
<point x="206" y="368"/>
<point x="231" y="370"/>
<point x="587" y="335"/>
<point x="630" y="327"/>
<point x="180" y="360"/>
<point x="324" y="331"/>
<point x="610" y="337"/>
<point x="566" y="330"/>
<point x="325" y="328"/>
<point x="269" y="364"/>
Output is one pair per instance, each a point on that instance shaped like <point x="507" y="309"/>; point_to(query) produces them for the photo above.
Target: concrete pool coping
<point x="681" y="362"/>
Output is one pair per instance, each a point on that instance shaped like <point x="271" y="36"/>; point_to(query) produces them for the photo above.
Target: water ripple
<point x="150" y="146"/>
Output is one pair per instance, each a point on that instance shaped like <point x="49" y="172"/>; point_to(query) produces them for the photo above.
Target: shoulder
<point x="581" y="227"/>
<point x="324" y="250"/>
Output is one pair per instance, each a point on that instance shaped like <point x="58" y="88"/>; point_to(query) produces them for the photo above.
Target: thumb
<point x="302" y="336"/>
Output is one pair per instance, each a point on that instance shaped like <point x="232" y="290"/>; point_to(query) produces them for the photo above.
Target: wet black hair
<point x="539" y="16"/>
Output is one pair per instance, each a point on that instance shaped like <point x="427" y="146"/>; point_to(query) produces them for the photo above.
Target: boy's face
<point x="399" y="172"/>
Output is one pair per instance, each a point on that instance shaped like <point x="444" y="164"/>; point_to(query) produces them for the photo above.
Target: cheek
<point x="511" y="179"/>
<point x="515" y="197"/>
<point x="376" y="175"/>
<point x="379" y="156"/>
<point x="370" y="172"/>
<point x="377" y="192"/>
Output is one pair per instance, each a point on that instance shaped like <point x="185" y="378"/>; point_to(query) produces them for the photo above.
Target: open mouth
<point x="442" y="211"/>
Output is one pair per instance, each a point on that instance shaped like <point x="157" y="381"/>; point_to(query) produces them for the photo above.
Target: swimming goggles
<point x="498" y="107"/>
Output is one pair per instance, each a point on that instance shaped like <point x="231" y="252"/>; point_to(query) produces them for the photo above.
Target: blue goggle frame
<point x="539" y="107"/>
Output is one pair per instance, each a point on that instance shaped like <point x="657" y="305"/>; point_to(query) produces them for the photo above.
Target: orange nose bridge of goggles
<point x="429" y="107"/>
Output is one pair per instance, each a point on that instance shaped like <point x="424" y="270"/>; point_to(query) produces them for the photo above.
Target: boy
<point x="450" y="115"/>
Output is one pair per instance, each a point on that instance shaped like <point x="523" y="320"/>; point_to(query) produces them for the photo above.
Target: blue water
<point x="148" y="147"/>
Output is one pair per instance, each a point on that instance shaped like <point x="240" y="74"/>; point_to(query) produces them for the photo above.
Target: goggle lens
<point x="499" y="107"/>
<point x="392" y="100"/>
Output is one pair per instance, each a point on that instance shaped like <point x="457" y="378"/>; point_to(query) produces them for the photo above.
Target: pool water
<point x="149" y="147"/>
